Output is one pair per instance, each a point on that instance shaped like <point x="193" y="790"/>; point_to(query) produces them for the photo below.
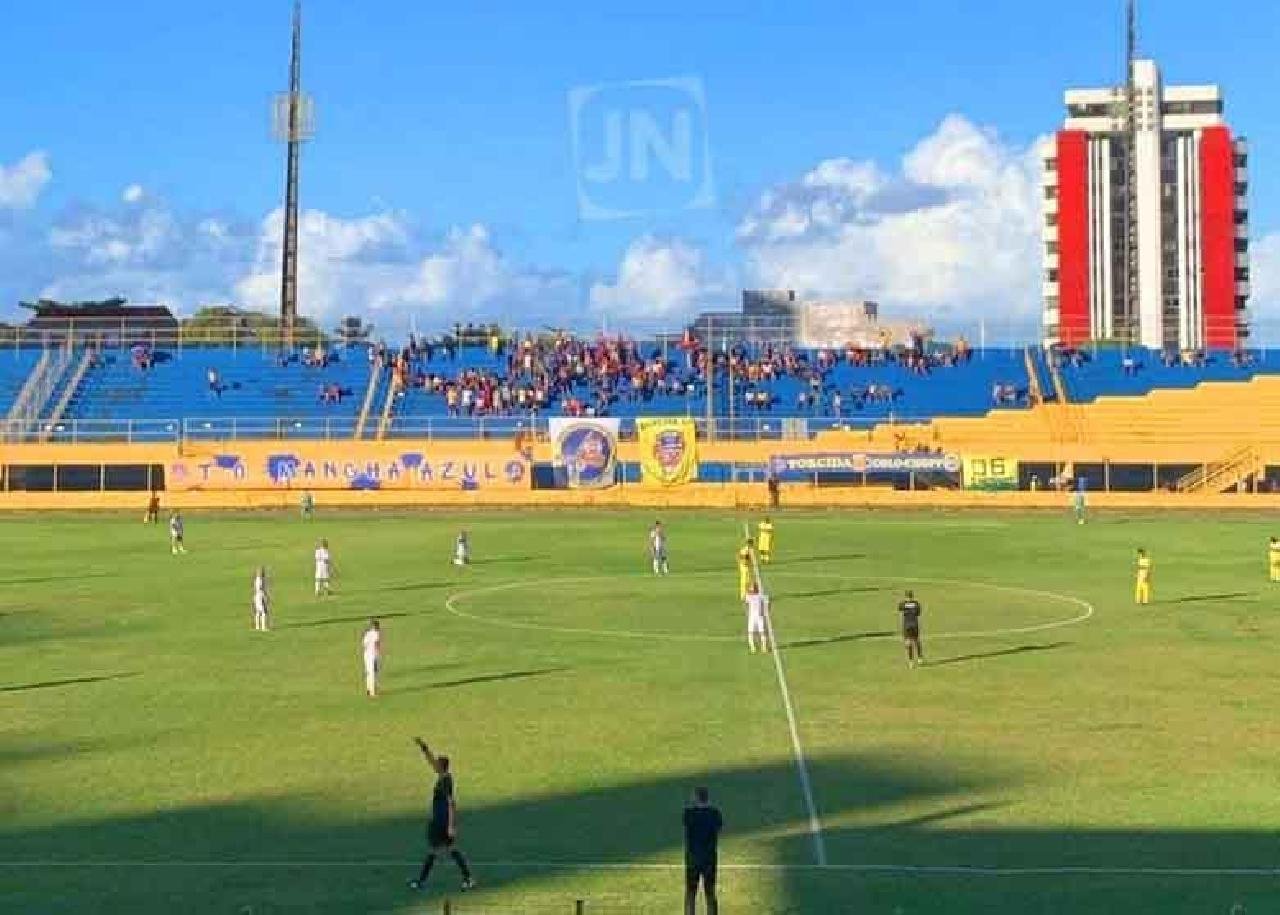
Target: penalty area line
<point x="940" y="870"/>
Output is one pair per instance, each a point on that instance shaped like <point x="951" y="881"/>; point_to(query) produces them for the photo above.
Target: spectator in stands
<point x="141" y="355"/>
<point x="1129" y="365"/>
<point x="215" y="382"/>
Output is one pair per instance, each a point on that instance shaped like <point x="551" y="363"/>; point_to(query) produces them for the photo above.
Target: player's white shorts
<point x="756" y="624"/>
<point x="322" y="576"/>
<point x="260" y="604"/>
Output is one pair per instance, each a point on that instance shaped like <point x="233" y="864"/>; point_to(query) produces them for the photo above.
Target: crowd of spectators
<point x="576" y="376"/>
<point x="584" y="377"/>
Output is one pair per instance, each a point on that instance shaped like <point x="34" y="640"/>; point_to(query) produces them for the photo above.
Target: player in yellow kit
<point x="1142" y="586"/>
<point x="764" y="540"/>
<point x="745" y="573"/>
<point x="1273" y="558"/>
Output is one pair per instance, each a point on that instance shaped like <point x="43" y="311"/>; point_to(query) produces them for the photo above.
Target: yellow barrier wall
<point x="491" y="464"/>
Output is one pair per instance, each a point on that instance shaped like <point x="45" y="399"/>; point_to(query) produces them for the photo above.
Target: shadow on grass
<point x="1197" y="598"/>
<point x="287" y="854"/>
<point x="831" y="592"/>
<point x="488" y="678"/>
<point x="838" y="639"/>
<point x="411" y="586"/>
<point x="800" y="560"/>
<point x="990" y="655"/>
<point x="503" y="560"/>
<point x="923" y="843"/>
<point x="53" y="579"/>
<point x="71" y="681"/>
<point x="335" y="620"/>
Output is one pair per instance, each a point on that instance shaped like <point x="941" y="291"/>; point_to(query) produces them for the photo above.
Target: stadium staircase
<point x="370" y="394"/>
<point x="45" y="379"/>
<point x="65" y="390"/>
<point x="1240" y="467"/>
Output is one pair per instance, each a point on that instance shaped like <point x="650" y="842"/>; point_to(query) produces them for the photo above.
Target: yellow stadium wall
<point x="488" y="459"/>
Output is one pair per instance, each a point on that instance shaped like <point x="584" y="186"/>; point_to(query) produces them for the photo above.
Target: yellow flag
<point x="668" y="451"/>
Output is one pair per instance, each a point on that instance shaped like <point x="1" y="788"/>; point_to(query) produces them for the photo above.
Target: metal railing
<point x="83" y="431"/>
<point x="128" y="332"/>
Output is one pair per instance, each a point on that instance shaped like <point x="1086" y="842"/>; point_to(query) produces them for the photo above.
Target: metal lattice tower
<point x="1131" y="278"/>
<point x="293" y="115"/>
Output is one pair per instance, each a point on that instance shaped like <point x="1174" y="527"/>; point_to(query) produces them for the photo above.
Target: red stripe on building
<point x="1217" y="238"/>
<point x="1073" y="237"/>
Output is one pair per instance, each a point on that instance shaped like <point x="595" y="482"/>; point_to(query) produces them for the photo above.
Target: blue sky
<point x="443" y="178"/>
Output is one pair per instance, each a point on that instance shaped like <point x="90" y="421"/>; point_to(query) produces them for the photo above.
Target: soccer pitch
<point x="1062" y="750"/>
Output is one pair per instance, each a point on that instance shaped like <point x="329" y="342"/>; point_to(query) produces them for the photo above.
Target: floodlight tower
<point x="293" y="120"/>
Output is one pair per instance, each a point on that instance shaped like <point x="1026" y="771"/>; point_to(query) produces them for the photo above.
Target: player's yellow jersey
<point x="1144" y="568"/>
<point x="765" y="535"/>
<point x="1273" y="553"/>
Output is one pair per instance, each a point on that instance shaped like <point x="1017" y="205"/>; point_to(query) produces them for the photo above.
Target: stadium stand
<point x="144" y="393"/>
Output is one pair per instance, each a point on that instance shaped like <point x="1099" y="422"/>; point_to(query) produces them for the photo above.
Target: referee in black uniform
<point x="442" y="828"/>
<point x="702" y="825"/>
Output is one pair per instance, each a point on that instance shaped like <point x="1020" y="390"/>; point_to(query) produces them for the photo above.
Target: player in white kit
<point x="175" y="534"/>
<point x="371" y="646"/>
<point x="324" y="570"/>
<point x="461" y="550"/>
<point x="757" y="619"/>
<point x="658" y="549"/>
<point x="261" y="601"/>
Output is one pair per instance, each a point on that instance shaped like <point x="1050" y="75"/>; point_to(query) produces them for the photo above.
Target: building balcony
<point x="1049" y="289"/>
<point x="1242" y="289"/>
<point x="1049" y="233"/>
<point x="1050" y="205"/>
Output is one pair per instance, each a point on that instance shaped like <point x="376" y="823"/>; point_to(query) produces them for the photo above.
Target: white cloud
<point x="375" y="264"/>
<point x="953" y="236"/>
<point x="1264" y="273"/>
<point x="658" y="283"/>
<point x="22" y="182"/>
<point x="133" y="194"/>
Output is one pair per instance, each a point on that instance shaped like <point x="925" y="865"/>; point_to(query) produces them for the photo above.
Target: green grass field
<point x="157" y="756"/>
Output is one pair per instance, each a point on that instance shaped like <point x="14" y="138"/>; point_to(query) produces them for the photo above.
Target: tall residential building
<point x="1190" y="245"/>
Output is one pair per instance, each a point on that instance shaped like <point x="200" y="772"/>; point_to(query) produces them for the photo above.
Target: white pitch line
<point x="802" y="767"/>
<point x="942" y="870"/>
<point x="451" y="606"/>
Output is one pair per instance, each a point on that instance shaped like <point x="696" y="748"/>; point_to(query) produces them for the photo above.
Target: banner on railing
<point x="990" y="473"/>
<point x="806" y="465"/>
<point x="586" y="450"/>
<point x="334" y="465"/>
<point x="668" y="451"/>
